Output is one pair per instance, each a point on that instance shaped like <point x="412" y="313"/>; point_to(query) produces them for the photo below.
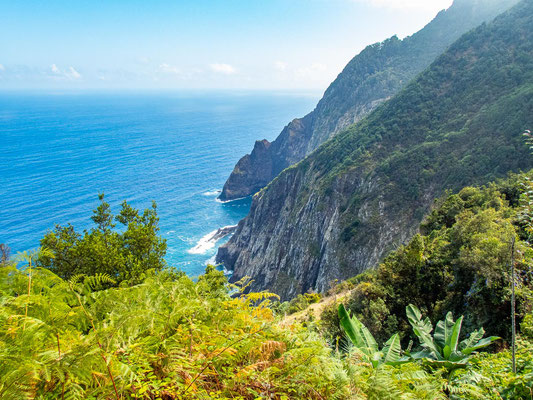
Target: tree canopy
<point x="125" y="254"/>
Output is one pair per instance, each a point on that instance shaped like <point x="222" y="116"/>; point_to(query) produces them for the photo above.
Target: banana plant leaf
<point x="363" y="340"/>
<point x="444" y="330"/>
<point x="480" y="344"/>
<point x="444" y="348"/>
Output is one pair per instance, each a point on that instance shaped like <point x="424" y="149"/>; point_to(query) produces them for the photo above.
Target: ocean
<point x="59" y="150"/>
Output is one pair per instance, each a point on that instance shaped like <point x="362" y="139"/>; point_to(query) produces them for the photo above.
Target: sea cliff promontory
<point x="375" y="75"/>
<point x="365" y="191"/>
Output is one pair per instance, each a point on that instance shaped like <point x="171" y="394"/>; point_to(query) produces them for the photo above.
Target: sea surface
<point x="59" y="150"/>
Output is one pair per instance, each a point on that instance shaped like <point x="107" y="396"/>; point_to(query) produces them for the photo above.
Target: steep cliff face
<point x="372" y="77"/>
<point x="247" y="179"/>
<point x="362" y="193"/>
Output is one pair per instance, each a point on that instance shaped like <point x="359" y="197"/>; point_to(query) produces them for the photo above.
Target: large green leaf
<point x="422" y="330"/>
<point x="413" y="314"/>
<point x="441" y="351"/>
<point x="427" y="342"/>
<point x="480" y="344"/>
<point x="453" y="340"/>
<point x="422" y="355"/>
<point x="375" y="359"/>
<point x="443" y="330"/>
<point x="458" y="357"/>
<point x="369" y="340"/>
<point x="446" y="352"/>
<point x="392" y="350"/>
<point x="358" y="334"/>
<point x="449" y="365"/>
<point x="352" y="327"/>
<point x="415" y="319"/>
<point x="474" y="337"/>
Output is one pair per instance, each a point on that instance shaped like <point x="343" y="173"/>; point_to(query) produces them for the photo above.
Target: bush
<point x="167" y="338"/>
<point x="127" y="254"/>
<point x="526" y="328"/>
<point x="302" y="301"/>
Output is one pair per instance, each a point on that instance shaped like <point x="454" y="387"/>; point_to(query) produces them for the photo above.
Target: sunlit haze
<point x="194" y="44"/>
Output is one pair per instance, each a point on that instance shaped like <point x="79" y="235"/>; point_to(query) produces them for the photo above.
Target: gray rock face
<point x="372" y="77"/>
<point x="246" y="178"/>
<point x="290" y="246"/>
<point x="340" y="210"/>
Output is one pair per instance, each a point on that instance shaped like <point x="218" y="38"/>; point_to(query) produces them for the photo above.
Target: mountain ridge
<point x="370" y="78"/>
<point x="361" y="194"/>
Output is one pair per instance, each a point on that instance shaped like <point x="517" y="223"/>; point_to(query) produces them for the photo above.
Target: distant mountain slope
<point x="339" y="211"/>
<point x="370" y="78"/>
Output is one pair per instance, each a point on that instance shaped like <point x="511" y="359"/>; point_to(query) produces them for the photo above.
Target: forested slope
<point x="364" y="192"/>
<point x="369" y="79"/>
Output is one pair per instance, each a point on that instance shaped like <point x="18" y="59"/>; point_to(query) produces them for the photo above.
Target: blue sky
<point x="194" y="44"/>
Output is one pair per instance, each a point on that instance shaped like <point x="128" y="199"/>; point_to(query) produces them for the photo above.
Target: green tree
<point x="126" y="254"/>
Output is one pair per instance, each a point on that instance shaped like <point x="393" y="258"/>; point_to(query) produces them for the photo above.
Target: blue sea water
<point x="59" y="150"/>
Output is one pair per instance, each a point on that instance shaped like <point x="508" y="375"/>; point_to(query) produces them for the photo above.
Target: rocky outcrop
<point x="246" y="178"/>
<point x="292" y="246"/>
<point x="372" y="77"/>
<point x="364" y="192"/>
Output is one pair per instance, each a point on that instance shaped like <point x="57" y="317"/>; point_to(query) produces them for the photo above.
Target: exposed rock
<point x="372" y="77"/>
<point x="208" y="241"/>
<point x="246" y="179"/>
<point x="340" y="210"/>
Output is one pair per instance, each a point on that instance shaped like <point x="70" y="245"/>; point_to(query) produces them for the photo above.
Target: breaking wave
<point x="207" y="242"/>
<point x="210" y="193"/>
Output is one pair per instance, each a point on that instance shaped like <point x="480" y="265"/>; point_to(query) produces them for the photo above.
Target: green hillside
<point x="373" y="76"/>
<point x="460" y="262"/>
<point x="169" y="337"/>
<point x="365" y="191"/>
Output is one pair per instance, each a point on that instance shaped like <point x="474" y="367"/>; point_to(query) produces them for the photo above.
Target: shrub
<point x="168" y="337"/>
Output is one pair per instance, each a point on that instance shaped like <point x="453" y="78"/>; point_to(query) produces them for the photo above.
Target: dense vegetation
<point x="460" y="262"/>
<point x="125" y="254"/>
<point x="169" y="337"/>
<point x="172" y="338"/>
<point x="98" y="314"/>
<point x="365" y="191"/>
<point x="455" y="124"/>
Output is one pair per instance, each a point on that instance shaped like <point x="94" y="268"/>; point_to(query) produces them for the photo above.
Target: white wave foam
<point x="207" y="242"/>
<point x="230" y="201"/>
<point x="204" y="244"/>
<point x="226" y="272"/>
<point x="185" y="239"/>
<point x="210" y="193"/>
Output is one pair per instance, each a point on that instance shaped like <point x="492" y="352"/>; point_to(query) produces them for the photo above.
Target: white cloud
<point x="2" y="68"/>
<point x="72" y="73"/>
<point x="223" y="69"/>
<point x="314" y="72"/>
<point x="409" y="4"/>
<point x="280" y="65"/>
<point x="169" y="69"/>
<point x="69" y="74"/>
